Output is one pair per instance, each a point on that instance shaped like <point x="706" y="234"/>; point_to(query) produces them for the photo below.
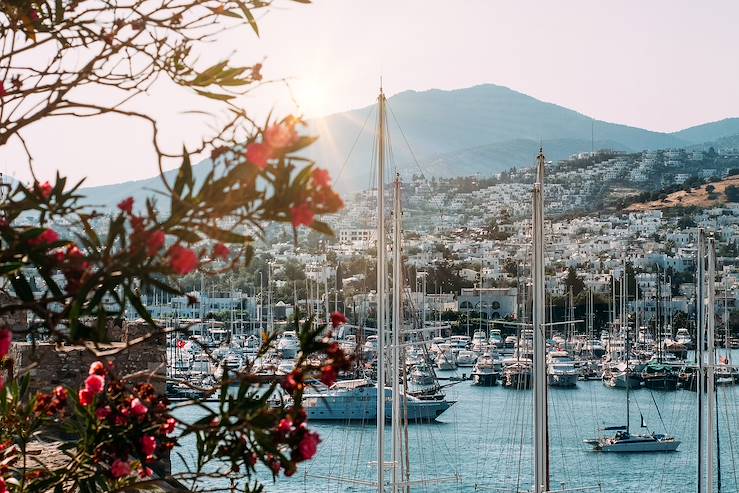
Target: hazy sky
<point x="659" y="64"/>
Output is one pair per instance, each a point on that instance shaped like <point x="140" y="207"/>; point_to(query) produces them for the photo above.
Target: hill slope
<point x="482" y="129"/>
<point x="708" y="132"/>
<point x="444" y="122"/>
<point x="699" y="197"/>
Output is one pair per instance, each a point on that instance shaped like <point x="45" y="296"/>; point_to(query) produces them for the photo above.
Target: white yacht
<point x="623" y="441"/>
<point x="479" y="341"/>
<point x="486" y="371"/>
<point x="356" y="400"/>
<point x="288" y="345"/>
<point x="445" y="359"/>
<point x="422" y="374"/>
<point x="459" y="342"/>
<point x="683" y="337"/>
<point x="496" y="339"/>
<point x="252" y="344"/>
<point x="466" y="358"/>
<point x="370" y="345"/>
<point x="561" y="371"/>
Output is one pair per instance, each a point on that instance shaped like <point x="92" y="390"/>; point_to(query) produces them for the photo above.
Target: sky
<point x="662" y="65"/>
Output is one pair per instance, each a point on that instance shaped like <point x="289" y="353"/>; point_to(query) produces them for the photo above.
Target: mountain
<point x="708" y="132"/>
<point x="108" y="196"/>
<point x="438" y="122"/>
<point x="482" y="129"/>
<point x="517" y="152"/>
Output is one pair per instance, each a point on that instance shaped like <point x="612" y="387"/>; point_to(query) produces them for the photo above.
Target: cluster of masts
<point x="705" y="341"/>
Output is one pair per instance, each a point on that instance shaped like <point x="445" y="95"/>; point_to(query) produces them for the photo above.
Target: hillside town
<point x="468" y="240"/>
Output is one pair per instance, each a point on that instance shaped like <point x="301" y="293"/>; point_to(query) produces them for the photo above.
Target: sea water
<point x="483" y="443"/>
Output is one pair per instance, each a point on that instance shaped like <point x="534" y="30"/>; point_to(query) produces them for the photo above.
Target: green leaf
<point x="186" y="235"/>
<point x="136" y="302"/>
<point x="184" y="175"/>
<point x="207" y="77"/>
<point x="322" y="227"/>
<point x="213" y="95"/>
<point x="249" y="16"/>
<point x="10" y="267"/>
<point x="22" y="288"/>
<point x="221" y="234"/>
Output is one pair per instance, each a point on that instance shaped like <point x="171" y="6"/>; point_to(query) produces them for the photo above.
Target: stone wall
<point x="62" y="364"/>
<point x="16" y="321"/>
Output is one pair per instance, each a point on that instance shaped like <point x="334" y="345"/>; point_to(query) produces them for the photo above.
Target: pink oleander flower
<point x="96" y="368"/>
<point x="148" y="445"/>
<point x="126" y="205"/>
<point x="85" y="397"/>
<point x="94" y="384"/>
<point x="309" y="445"/>
<point x="221" y="251"/>
<point x="47" y="237"/>
<point x="138" y="408"/>
<point x="169" y="426"/>
<point x="328" y="375"/>
<point x="120" y="469"/>
<point x="338" y="318"/>
<point x="102" y="413"/>
<point x="155" y="242"/>
<point x="302" y="215"/>
<point x="321" y="178"/>
<point x="284" y="426"/>
<point x="60" y="393"/>
<point x="258" y="154"/>
<point x="44" y="190"/>
<point x="182" y="260"/>
<point x="6" y="339"/>
<point x="280" y="135"/>
<point x="145" y="472"/>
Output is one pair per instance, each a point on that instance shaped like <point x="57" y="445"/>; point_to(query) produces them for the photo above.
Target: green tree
<point x="57" y="59"/>
<point x="574" y="281"/>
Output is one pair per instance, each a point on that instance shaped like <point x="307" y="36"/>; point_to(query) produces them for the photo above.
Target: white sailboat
<point x="623" y="441"/>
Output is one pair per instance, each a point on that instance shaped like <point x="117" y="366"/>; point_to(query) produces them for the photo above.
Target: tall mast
<point x="711" y="356"/>
<point x="325" y="293"/>
<point x="397" y="325"/>
<point x="541" y="452"/>
<point x="625" y="332"/>
<point x="381" y="293"/>
<point x="699" y="347"/>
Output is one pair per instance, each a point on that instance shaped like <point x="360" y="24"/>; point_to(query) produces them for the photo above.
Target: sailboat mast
<point x="625" y="331"/>
<point x="397" y="325"/>
<point x="699" y="346"/>
<point x="541" y="452"/>
<point x="710" y="368"/>
<point x="381" y="293"/>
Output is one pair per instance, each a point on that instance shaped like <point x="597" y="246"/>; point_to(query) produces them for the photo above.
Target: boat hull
<point x="362" y="406"/>
<point x="660" y="382"/>
<point x="485" y="379"/>
<point x="556" y="380"/>
<point x="637" y="445"/>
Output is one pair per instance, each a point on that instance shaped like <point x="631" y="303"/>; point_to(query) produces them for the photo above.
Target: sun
<point x="311" y="96"/>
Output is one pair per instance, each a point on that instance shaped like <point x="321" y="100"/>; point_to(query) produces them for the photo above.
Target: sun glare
<point x="311" y="97"/>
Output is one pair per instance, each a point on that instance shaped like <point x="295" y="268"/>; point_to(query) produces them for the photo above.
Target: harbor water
<point x="483" y="443"/>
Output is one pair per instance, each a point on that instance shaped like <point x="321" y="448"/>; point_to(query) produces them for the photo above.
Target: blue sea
<point x="483" y="443"/>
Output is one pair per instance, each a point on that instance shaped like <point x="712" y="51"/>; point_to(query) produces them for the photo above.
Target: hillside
<point x="709" y="131"/>
<point x="437" y="122"/>
<point x="483" y="129"/>
<point x="699" y="197"/>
